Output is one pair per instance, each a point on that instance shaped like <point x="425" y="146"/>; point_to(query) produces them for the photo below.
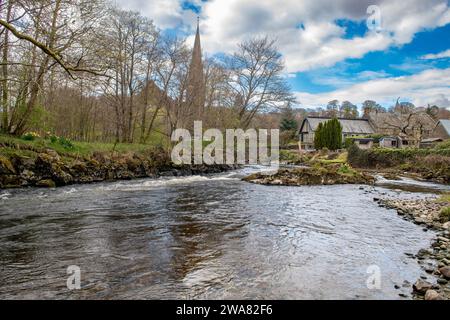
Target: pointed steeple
<point x="196" y="82"/>
<point x="197" y="45"/>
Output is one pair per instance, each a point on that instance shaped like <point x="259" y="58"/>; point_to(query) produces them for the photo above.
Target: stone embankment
<point x="49" y="169"/>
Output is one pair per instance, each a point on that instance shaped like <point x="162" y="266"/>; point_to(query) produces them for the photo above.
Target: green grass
<point x="342" y="158"/>
<point x="445" y="214"/>
<point x="445" y="198"/>
<point x="15" y="145"/>
<point x="346" y="170"/>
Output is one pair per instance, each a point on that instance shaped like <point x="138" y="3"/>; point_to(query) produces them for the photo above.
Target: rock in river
<point x="433" y="295"/>
<point x="445" y="271"/>
<point x="422" y="286"/>
<point x="47" y="183"/>
<point x="317" y="175"/>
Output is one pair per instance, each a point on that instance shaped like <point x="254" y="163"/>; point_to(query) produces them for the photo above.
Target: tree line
<point x="86" y="70"/>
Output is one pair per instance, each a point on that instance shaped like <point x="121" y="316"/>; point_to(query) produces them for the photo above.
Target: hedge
<point x="389" y="157"/>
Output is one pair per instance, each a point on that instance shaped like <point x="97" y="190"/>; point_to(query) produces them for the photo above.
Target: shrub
<point x="30" y="136"/>
<point x="345" y="169"/>
<point x="443" y="145"/>
<point x="53" y="139"/>
<point x="349" y="142"/>
<point x="288" y="156"/>
<point x="286" y="137"/>
<point x="66" y="143"/>
<point x="358" y="157"/>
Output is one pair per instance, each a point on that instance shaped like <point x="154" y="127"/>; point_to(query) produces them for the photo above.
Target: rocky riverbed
<point x="49" y="169"/>
<point x="316" y="175"/>
<point x="435" y="260"/>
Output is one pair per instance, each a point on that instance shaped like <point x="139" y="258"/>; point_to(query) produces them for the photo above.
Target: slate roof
<point x="355" y="126"/>
<point x="432" y="140"/>
<point x="446" y="125"/>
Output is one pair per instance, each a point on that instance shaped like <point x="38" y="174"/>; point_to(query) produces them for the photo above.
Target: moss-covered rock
<point x="46" y="183"/>
<point x="47" y="168"/>
<point x="6" y="166"/>
<point x="51" y="167"/>
<point x="317" y="175"/>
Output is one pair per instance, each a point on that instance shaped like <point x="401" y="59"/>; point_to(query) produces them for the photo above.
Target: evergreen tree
<point x="288" y="122"/>
<point x="318" y="137"/>
<point x="328" y="135"/>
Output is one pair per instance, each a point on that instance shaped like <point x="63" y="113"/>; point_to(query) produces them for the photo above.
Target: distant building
<point x="430" y="143"/>
<point x="350" y="128"/>
<point x="364" y="143"/>
<point x="396" y="142"/>
<point x="402" y="129"/>
<point x="196" y="88"/>
<point x="442" y="130"/>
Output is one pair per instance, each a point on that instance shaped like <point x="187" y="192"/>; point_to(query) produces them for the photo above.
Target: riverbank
<point x="432" y="213"/>
<point x="427" y="164"/>
<point x="50" y="164"/>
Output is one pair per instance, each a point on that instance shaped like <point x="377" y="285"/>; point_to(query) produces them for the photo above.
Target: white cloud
<point x="310" y="40"/>
<point x="320" y="42"/>
<point x="165" y="13"/>
<point x="441" y="55"/>
<point x="430" y="86"/>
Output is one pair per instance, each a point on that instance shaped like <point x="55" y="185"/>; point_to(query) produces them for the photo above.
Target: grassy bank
<point x="432" y="164"/>
<point x="13" y="145"/>
<point x="53" y="161"/>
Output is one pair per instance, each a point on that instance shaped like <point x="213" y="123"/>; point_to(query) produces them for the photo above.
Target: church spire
<point x="196" y="85"/>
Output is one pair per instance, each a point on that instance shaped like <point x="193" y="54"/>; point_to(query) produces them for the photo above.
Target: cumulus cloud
<point x="307" y="32"/>
<point x="165" y="13"/>
<point x="311" y="39"/>
<point x="430" y="86"/>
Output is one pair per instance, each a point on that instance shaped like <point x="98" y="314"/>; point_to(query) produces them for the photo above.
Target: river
<point x="212" y="237"/>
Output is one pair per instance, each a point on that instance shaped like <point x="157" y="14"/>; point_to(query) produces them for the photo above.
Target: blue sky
<point x="329" y="51"/>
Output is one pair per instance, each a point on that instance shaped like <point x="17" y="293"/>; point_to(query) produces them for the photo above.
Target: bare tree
<point x="256" y="79"/>
<point x="45" y="35"/>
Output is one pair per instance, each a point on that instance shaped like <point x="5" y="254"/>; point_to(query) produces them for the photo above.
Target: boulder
<point x="5" y="166"/>
<point x="10" y="181"/>
<point x="445" y="271"/>
<point x="53" y="154"/>
<point x="433" y="295"/>
<point x="50" y="167"/>
<point x="28" y="177"/>
<point x="46" y="183"/>
<point x="422" y="286"/>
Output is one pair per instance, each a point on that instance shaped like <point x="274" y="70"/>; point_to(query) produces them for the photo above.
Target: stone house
<point x="399" y="142"/>
<point x="402" y="130"/>
<point x="350" y="128"/>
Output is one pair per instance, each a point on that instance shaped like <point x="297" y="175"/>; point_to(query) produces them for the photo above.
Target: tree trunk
<point x="5" y="98"/>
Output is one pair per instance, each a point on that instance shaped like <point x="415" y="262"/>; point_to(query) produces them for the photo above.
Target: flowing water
<point x="208" y="237"/>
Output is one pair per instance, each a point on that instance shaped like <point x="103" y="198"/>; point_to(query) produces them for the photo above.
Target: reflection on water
<point x="408" y="184"/>
<point x="203" y="237"/>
